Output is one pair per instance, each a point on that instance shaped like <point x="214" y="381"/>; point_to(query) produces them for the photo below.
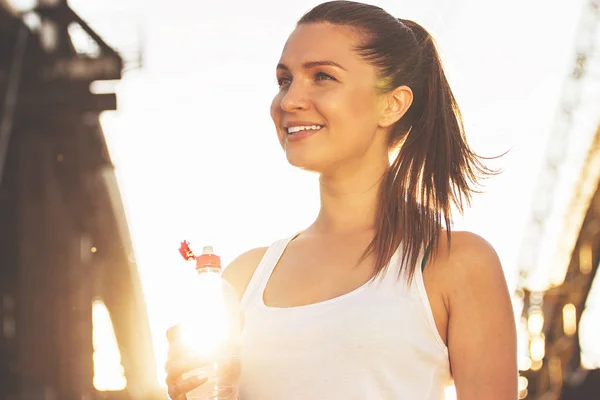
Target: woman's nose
<point x="296" y="98"/>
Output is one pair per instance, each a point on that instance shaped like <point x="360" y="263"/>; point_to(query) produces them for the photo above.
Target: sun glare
<point x="109" y="374"/>
<point x="207" y="295"/>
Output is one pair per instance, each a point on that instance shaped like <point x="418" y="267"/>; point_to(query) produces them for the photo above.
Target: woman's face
<point x="327" y="112"/>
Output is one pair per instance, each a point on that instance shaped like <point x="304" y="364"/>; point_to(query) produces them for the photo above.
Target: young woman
<point x="378" y="298"/>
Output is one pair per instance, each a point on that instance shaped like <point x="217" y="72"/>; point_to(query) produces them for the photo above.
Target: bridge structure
<point x="560" y="252"/>
<point x="64" y="241"/>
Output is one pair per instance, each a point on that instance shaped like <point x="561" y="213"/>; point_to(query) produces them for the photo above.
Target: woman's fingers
<point x="178" y="364"/>
<point x="174" y="395"/>
<point x="226" y="392"/>
<point x="179" y="388"/>
<point x="178" y="367"/>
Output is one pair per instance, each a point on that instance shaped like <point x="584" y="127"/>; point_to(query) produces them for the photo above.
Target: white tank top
<point x="376" y="342"/>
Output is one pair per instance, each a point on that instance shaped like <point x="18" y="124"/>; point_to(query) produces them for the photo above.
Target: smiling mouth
<point x="294" y="130"/>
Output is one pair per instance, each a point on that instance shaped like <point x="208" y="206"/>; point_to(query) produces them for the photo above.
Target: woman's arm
<point x="239" y="272"/>
<point x="482" y="338"/>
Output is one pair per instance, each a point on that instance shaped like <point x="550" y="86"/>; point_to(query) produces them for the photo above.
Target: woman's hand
<point x="181" y="364"/>
<point x="178" y="363"/>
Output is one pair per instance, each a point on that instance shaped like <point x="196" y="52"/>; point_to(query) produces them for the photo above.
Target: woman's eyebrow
<point x="312" y="64"/>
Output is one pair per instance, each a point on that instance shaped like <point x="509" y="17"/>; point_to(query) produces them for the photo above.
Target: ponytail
<point x="433" y="170"/>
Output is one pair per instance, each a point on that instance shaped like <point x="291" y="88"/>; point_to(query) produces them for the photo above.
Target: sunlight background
<point x="109" y="374"/>
<point x="196" y="154"/>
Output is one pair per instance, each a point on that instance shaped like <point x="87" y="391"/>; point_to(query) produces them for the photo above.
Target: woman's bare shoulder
<point x="239" y="272"/>
<point x="466" y="248"/>
<point x="469" y="259"/>
<point x="468" y="262"/>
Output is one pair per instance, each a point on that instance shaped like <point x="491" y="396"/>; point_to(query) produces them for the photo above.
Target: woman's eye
<point x="283" y="81"/>
<point x="320" y="76"/>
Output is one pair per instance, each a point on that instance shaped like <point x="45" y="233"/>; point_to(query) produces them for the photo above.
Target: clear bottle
<point x="213" y="327"/>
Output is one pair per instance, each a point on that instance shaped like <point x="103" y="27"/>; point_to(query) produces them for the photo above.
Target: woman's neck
<point x="349" y="200"/>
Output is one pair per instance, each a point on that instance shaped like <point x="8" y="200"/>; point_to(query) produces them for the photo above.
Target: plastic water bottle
<point x="212" y="328"/>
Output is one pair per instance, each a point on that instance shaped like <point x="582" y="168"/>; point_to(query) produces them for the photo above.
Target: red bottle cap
<point x="208" y="259"/>
<point x="205" y="260"/>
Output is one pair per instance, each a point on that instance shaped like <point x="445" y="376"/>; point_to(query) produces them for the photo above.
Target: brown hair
<point x="434" y="167"/>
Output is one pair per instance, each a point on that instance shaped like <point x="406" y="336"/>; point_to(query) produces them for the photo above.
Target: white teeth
<point x="295" y="129"/>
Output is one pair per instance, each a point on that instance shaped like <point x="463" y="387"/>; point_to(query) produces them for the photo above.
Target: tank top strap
<point x="263" y="271"/>
<point x="395" y="281"/>
<point x="419" y="287"/>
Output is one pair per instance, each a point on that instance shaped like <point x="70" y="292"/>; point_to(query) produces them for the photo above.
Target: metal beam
<point x="11" y="95"/>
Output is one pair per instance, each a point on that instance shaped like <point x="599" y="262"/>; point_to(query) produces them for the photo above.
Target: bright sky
<point x="196" y="153"/>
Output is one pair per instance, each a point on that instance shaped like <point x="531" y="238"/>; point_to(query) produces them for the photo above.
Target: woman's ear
<point x="395" y="104"/>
